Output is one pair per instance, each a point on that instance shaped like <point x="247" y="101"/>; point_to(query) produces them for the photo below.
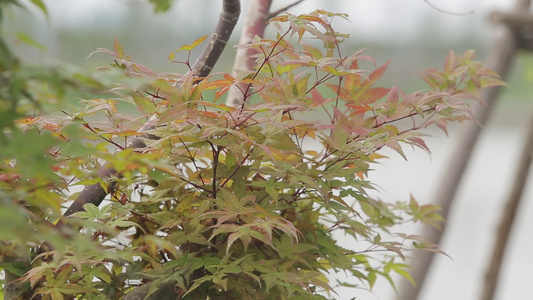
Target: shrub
<point x="226" y="202"/>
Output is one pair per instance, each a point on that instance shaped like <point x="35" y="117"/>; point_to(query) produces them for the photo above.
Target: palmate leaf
<point x="92" y="212"/>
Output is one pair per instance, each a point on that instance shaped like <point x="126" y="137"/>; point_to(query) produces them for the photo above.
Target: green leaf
<point x="144" y="104"/>
<point x="125" y="224"/>
<point x="161" y="5"/>
<point x="401" y="270"/>
<point x="17" y="268"/>
<point x="41" y="6"/>
<point x="371" y="278"/>
<point x="193" y="45"/>
<point x="273" y="193"/>
<point x="491" y="81"/>
<point x="92" y="212"/>
<point x="29" y="41"/>
<point x="28" y="149"/>
<point x="103" y="275"/>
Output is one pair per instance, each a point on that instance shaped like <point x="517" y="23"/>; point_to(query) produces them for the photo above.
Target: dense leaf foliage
<point x="224" y="202"/>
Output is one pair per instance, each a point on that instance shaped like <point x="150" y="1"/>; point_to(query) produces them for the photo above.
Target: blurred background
<point x="414" y="35"/>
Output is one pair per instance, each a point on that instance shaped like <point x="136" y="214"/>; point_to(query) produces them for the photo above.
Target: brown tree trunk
<point x="507" y="218"/>
<point x="255" y="24"/>
<point x="256" y="17"/>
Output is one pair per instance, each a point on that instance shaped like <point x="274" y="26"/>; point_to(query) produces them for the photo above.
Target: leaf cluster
<point x="248" y="202"/>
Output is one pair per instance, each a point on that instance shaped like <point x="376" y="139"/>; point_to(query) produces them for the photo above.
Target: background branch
<point x="256" y="17"/>
<point x="498" y="59"/>
<point x="520" y="22"/>
<point x="279" y="11"/>
<point x="446" y="11"/>
<point x="255" y="24"/>
<point x="507" y="219"/>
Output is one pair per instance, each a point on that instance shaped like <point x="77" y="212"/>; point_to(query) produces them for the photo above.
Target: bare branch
<point x="279" y="11"/>
<point x="446" y="11"/>
<point x="216" y="44"/>
<point x="515" y="20"/>
<point x="94" y="194"/>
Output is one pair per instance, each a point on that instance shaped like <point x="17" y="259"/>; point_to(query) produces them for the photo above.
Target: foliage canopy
<point x="223" y="202"/>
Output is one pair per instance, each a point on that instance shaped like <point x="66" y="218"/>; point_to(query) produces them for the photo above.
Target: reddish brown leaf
<point x="317" y="99"/>
<point x="393" y="94"/>
<point x="373" y="94"/>
<point x="450" y="62"/>
<point x="352" y="81"/>
<point x="378" y="73"/>
<point x="359" y="109"/>
<point x="420" y="143"/>
<point x="119" y="49"/>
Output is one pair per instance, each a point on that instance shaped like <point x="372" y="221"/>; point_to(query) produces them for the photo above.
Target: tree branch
<point x="226" y="23"/>
<point x="255" y="24"/>
<point x="279" y="11"/>
<point x="256" y="17"/>
<point x="520" y="22"/>
<point x="95" y="193"/>
<point x="507" y="219"/>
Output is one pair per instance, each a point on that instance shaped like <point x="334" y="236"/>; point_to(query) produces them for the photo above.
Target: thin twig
<point x="279" y="11"/>
<point x="447" y="11"/>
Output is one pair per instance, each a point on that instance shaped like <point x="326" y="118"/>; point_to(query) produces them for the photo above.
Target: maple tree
<point x="208" y="200"/>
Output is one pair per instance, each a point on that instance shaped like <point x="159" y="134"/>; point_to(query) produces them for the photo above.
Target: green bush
<point x="220" y="202"/>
